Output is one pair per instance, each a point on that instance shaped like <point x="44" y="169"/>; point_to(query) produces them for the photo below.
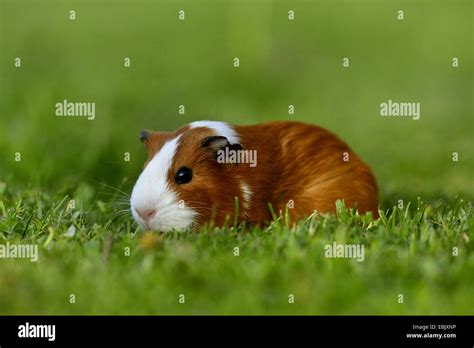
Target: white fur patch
<point x="246" y="194"/>
<point x="152" y="191"/>
<point x="220" y="128"/>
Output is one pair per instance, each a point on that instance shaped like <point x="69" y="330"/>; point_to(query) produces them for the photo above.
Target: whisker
<point x="113" y="188"/>
<point x="114" y="194"/>
<point x="116" y="204"/>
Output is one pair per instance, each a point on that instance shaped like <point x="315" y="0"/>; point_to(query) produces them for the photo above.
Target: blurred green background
<point x="282" y="62"/>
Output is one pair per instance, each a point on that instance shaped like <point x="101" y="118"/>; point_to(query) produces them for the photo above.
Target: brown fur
<point x="296" y="161"/>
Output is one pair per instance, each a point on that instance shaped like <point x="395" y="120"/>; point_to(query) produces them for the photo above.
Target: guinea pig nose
<point x="146" y="214"/>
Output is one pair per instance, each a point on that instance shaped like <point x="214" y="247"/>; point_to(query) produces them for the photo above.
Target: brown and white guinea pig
<point x="185" y="184"/>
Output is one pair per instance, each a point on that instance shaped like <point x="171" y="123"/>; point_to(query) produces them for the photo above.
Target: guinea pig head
<point x="182" y="184"/>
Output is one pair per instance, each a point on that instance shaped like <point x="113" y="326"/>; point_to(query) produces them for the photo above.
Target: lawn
<point x="96" y="255"/>
<point x="65" y="181"/>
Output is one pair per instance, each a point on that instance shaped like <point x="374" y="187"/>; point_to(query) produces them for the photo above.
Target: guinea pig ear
<point x="152" y="140"/>
<point x="219" y="143"/>
<point x="144" y="135"/>
<point x="215" y="143"/>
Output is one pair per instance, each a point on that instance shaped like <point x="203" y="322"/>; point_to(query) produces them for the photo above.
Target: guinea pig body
<point x="193" y="175"/>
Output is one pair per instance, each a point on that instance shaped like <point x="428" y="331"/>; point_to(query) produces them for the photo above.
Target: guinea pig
<point x="210" y="171"/>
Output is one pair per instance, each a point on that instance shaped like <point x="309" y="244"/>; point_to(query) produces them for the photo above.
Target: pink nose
<point x="146" y="214"/>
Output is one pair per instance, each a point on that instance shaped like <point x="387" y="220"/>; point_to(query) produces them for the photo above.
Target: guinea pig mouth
<point x="140" y="221"/>
<point x="146" y="225"/>
<point x="167" y="219"/>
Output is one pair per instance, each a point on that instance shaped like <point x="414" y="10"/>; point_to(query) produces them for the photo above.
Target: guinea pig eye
<point x="184" y="175"/>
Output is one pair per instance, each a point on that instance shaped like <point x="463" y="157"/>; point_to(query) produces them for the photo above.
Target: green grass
<point x="408" y="251"/>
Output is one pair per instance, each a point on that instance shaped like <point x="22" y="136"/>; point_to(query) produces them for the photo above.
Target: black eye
<point x="184" y="175"/>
